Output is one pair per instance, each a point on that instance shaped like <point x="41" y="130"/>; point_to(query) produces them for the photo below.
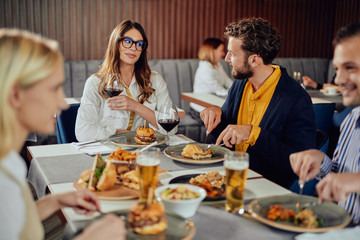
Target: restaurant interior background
<point x="176" y="28"/>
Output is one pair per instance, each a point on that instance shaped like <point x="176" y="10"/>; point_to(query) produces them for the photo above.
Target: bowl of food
<point x="181" y="199"/>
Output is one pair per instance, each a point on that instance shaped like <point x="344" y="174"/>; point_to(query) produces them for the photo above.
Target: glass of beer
<point x="236" y="166"/>
<point x="148" y="163"/>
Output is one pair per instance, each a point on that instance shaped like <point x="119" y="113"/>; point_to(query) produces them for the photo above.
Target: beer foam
<point x="147" y="161"/>
<point x="236" y="165"/>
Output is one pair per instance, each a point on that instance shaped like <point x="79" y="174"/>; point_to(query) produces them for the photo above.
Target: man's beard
<point x="243" y="73"/>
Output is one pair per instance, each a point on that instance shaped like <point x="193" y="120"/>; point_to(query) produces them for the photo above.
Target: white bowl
<point x="185" y="208"/>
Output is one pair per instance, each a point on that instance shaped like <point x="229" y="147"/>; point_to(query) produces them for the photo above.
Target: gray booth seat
<point x="179" y="76"/>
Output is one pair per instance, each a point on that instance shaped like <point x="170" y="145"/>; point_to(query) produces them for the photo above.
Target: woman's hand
<point x="123" y="102"/>
<point x="83" y="201"/>
<point x="108" y="227"/>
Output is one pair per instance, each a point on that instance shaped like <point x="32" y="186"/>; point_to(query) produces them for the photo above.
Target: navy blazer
<point x="288" y="126"/>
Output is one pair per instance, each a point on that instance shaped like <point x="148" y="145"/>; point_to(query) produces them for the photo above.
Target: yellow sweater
<point x="253" y="106"/>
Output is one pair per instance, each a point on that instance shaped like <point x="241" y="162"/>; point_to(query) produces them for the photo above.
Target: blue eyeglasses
<point x="128" y="42"/>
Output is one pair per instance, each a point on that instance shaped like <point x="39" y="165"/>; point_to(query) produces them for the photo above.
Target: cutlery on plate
<point x="103" y="140"/>
<point x="301" y="186"/>
<point x="148" y="146"/>
<point x="210" y="145"/>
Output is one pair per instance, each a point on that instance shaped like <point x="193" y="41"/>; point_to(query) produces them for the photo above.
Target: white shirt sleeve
<point x="210" y="80"/>
<point x="90" y="123"/>
<point x="12" y="207"/>
<point x="225" y="80"/>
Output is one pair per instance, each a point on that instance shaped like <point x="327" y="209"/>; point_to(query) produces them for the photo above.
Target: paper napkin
<point x="92" y="148"/>
<point x="344" y="233"/>
<point x="175" y="140"/>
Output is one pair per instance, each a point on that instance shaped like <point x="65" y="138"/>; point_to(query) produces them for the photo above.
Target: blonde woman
<point x="145" y="90"/>
<point x="210" y="77"/>
<point x="31" y="78"/>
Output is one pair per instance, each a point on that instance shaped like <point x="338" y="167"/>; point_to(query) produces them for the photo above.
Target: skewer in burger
<point x="101" y="177"/>
<point x="147" y="218"/>
<point x="144" y="135"/>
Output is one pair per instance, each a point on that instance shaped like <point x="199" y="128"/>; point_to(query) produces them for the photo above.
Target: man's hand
<point x="306" y="164"/>
<point x="234" y="134"/>
<point x="211" y="117"/>
<point x="337" y="186"/>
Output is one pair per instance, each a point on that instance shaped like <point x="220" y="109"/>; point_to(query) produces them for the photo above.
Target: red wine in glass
<point x="168" y="117"/>
<point x="112" y="92"/>
<point x="168" y="124"/>
<point x="113" y="86"/>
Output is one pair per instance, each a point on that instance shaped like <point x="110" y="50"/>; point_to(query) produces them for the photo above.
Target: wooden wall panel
<point x="176" y="28"/>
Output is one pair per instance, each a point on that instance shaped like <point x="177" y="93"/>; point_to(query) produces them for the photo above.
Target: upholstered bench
<point x="179" y="75"/>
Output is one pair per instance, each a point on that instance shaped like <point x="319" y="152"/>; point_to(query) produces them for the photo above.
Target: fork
<point x="208" y="146"/>
<point x="301" y="186"/>
<point x="102" y="141"/>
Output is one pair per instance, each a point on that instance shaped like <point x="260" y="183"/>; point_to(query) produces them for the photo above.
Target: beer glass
<point x="148" y="163"/>
<point x="236" y="166"/>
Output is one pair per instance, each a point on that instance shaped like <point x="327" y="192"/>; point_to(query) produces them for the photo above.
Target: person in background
<point x="31" y="79"/>
<point x="266" y="113"/>
<point x="145" y="90"/>
<point x="210" y="76"/>
<point x="341" y="174"/>
<point x="308" y="82"/>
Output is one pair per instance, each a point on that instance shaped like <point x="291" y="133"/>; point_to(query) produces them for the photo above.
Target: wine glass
<point x="168" y="118"/>
<point x="113" y="87"/>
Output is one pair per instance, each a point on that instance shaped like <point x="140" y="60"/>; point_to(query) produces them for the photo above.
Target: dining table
<point x="55" y="168"/>
<point x="209" y="99"/>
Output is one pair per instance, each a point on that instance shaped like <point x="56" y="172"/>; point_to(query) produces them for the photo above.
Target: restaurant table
<point x="56" y="167"/>
<point x="208" y="99"/>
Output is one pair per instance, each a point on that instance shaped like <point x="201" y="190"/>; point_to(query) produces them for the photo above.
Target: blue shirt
<point x="347" y="159"/>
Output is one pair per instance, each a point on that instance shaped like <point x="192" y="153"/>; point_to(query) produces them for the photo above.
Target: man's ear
<point x="15" y="95"/>
<point x="255" y="60"/>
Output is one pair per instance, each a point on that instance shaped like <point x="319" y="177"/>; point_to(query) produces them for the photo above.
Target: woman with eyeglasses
<point x="144" y="90"/>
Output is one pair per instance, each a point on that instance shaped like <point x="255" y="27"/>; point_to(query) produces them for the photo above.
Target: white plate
<point x="331" y="94"/>
<point x="128" y="139"/>
<point x="174" y="152"/>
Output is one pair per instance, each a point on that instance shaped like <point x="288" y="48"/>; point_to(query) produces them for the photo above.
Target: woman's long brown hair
<point x="111" y="62"/>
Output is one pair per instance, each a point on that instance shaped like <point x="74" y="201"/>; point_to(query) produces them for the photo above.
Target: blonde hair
<point x="26" y="58"/>
<point x="206" y="51"/>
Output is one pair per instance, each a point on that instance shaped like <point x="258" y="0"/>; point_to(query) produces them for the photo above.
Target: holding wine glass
<point x="113" y="87"/>
<point x="168" y="117"/>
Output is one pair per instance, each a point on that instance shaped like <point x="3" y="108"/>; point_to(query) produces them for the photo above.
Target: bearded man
<point x="266" y="113"/>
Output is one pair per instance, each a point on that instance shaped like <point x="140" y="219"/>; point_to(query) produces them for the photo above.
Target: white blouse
<point x="209" y="79"/>
<point x="12" y="207"/>
<point x="93" y="119"/>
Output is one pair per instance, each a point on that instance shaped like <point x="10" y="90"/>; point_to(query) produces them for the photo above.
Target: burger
<point x="144" y="135"/>
<point x="101" y="177"/>
<point x="147" y="218"/>
<point x="130" y="179"/>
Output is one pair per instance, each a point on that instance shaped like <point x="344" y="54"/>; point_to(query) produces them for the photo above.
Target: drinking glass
<point x="236" y="166"/>
<point x="113" y="87"/>
<point x="168" y="118"/>
<point x="148" y="162"/>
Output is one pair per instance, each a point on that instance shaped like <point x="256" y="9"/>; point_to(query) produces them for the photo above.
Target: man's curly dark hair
<point x="258" y="36"/>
